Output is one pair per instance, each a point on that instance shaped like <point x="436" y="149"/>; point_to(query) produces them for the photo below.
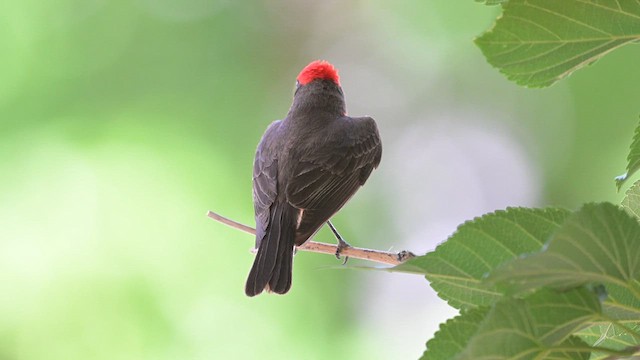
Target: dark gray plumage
<point x="306" y="168"/>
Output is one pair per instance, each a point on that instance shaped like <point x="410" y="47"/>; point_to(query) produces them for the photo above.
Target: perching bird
<point x="306" y="168"/>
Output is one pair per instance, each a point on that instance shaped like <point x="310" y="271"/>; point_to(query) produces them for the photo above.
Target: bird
<point x="306" y="167"/>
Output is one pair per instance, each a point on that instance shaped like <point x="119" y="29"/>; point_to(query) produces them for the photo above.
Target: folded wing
<point x="324" y="180"/>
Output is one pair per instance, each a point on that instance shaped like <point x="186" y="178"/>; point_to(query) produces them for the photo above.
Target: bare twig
<point x="229" y="222"/>
<point x="384" y="257"/>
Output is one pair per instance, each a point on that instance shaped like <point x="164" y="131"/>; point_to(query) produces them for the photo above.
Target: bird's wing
<point x="265" y="180"/>
<point x="325" y="178"/>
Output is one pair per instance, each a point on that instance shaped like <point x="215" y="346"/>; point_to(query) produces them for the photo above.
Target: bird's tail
<point x="272" y="267"/>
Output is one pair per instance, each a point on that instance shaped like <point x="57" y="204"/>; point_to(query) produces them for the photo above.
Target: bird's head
<point x="319" y="69"/>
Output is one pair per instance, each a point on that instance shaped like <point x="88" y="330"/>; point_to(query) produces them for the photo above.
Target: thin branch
<point x="231" y="223"/>
<point x="383" y="257"/>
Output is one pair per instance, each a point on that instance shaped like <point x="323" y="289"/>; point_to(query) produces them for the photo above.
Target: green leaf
<point x="633" y="159"/>
<point x="559" y="314"/>
<point x="538" y="327"/>
<point x="538" y="42"/>
<point x="600" y="243"/>
<point x="631" y="201"/>
<point x="453" y="335"/>
<point x="621" y="304"/>
<point x="609" y="336"/>
<point x="456" y="268"/>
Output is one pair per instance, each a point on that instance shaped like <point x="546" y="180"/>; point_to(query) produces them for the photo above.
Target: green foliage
<point x="631" y="201"/>
<point x="622" y="302"/>
<point x="560" y="317"/>
<point x="633" y="161"/>
<point x="600" y="243"/>
<point x="545" y="283"/>
<point x="538" y="42"/>
<point x="540" y="283"/>
<point x="454" y="334"/>
<point x="539" y="326"/>
<point x="609" y="336"/>
<point x="456" y="268"/>
<point x="579" y="274"/>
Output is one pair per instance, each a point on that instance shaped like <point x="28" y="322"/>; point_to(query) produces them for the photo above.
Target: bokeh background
<point x="123" y="122"/>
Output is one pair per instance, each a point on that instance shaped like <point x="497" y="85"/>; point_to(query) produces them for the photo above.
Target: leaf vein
<point x="569" y="19"/>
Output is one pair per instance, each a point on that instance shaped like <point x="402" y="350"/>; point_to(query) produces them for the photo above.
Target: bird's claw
<point x="340" y="248"/>
<point x="405" y="255"/>
<point x="341" y="243"/>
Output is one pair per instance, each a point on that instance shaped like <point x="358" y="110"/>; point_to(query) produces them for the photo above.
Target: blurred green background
<point x="123" y="122"/>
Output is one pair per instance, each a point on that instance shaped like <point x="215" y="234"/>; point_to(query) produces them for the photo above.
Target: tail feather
<point x="272" y="266"/>
<point x="280" y="282"/>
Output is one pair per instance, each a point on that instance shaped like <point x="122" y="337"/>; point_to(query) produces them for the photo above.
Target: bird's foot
<point x="341" y="243"/>
<point x="340" y="248"/>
